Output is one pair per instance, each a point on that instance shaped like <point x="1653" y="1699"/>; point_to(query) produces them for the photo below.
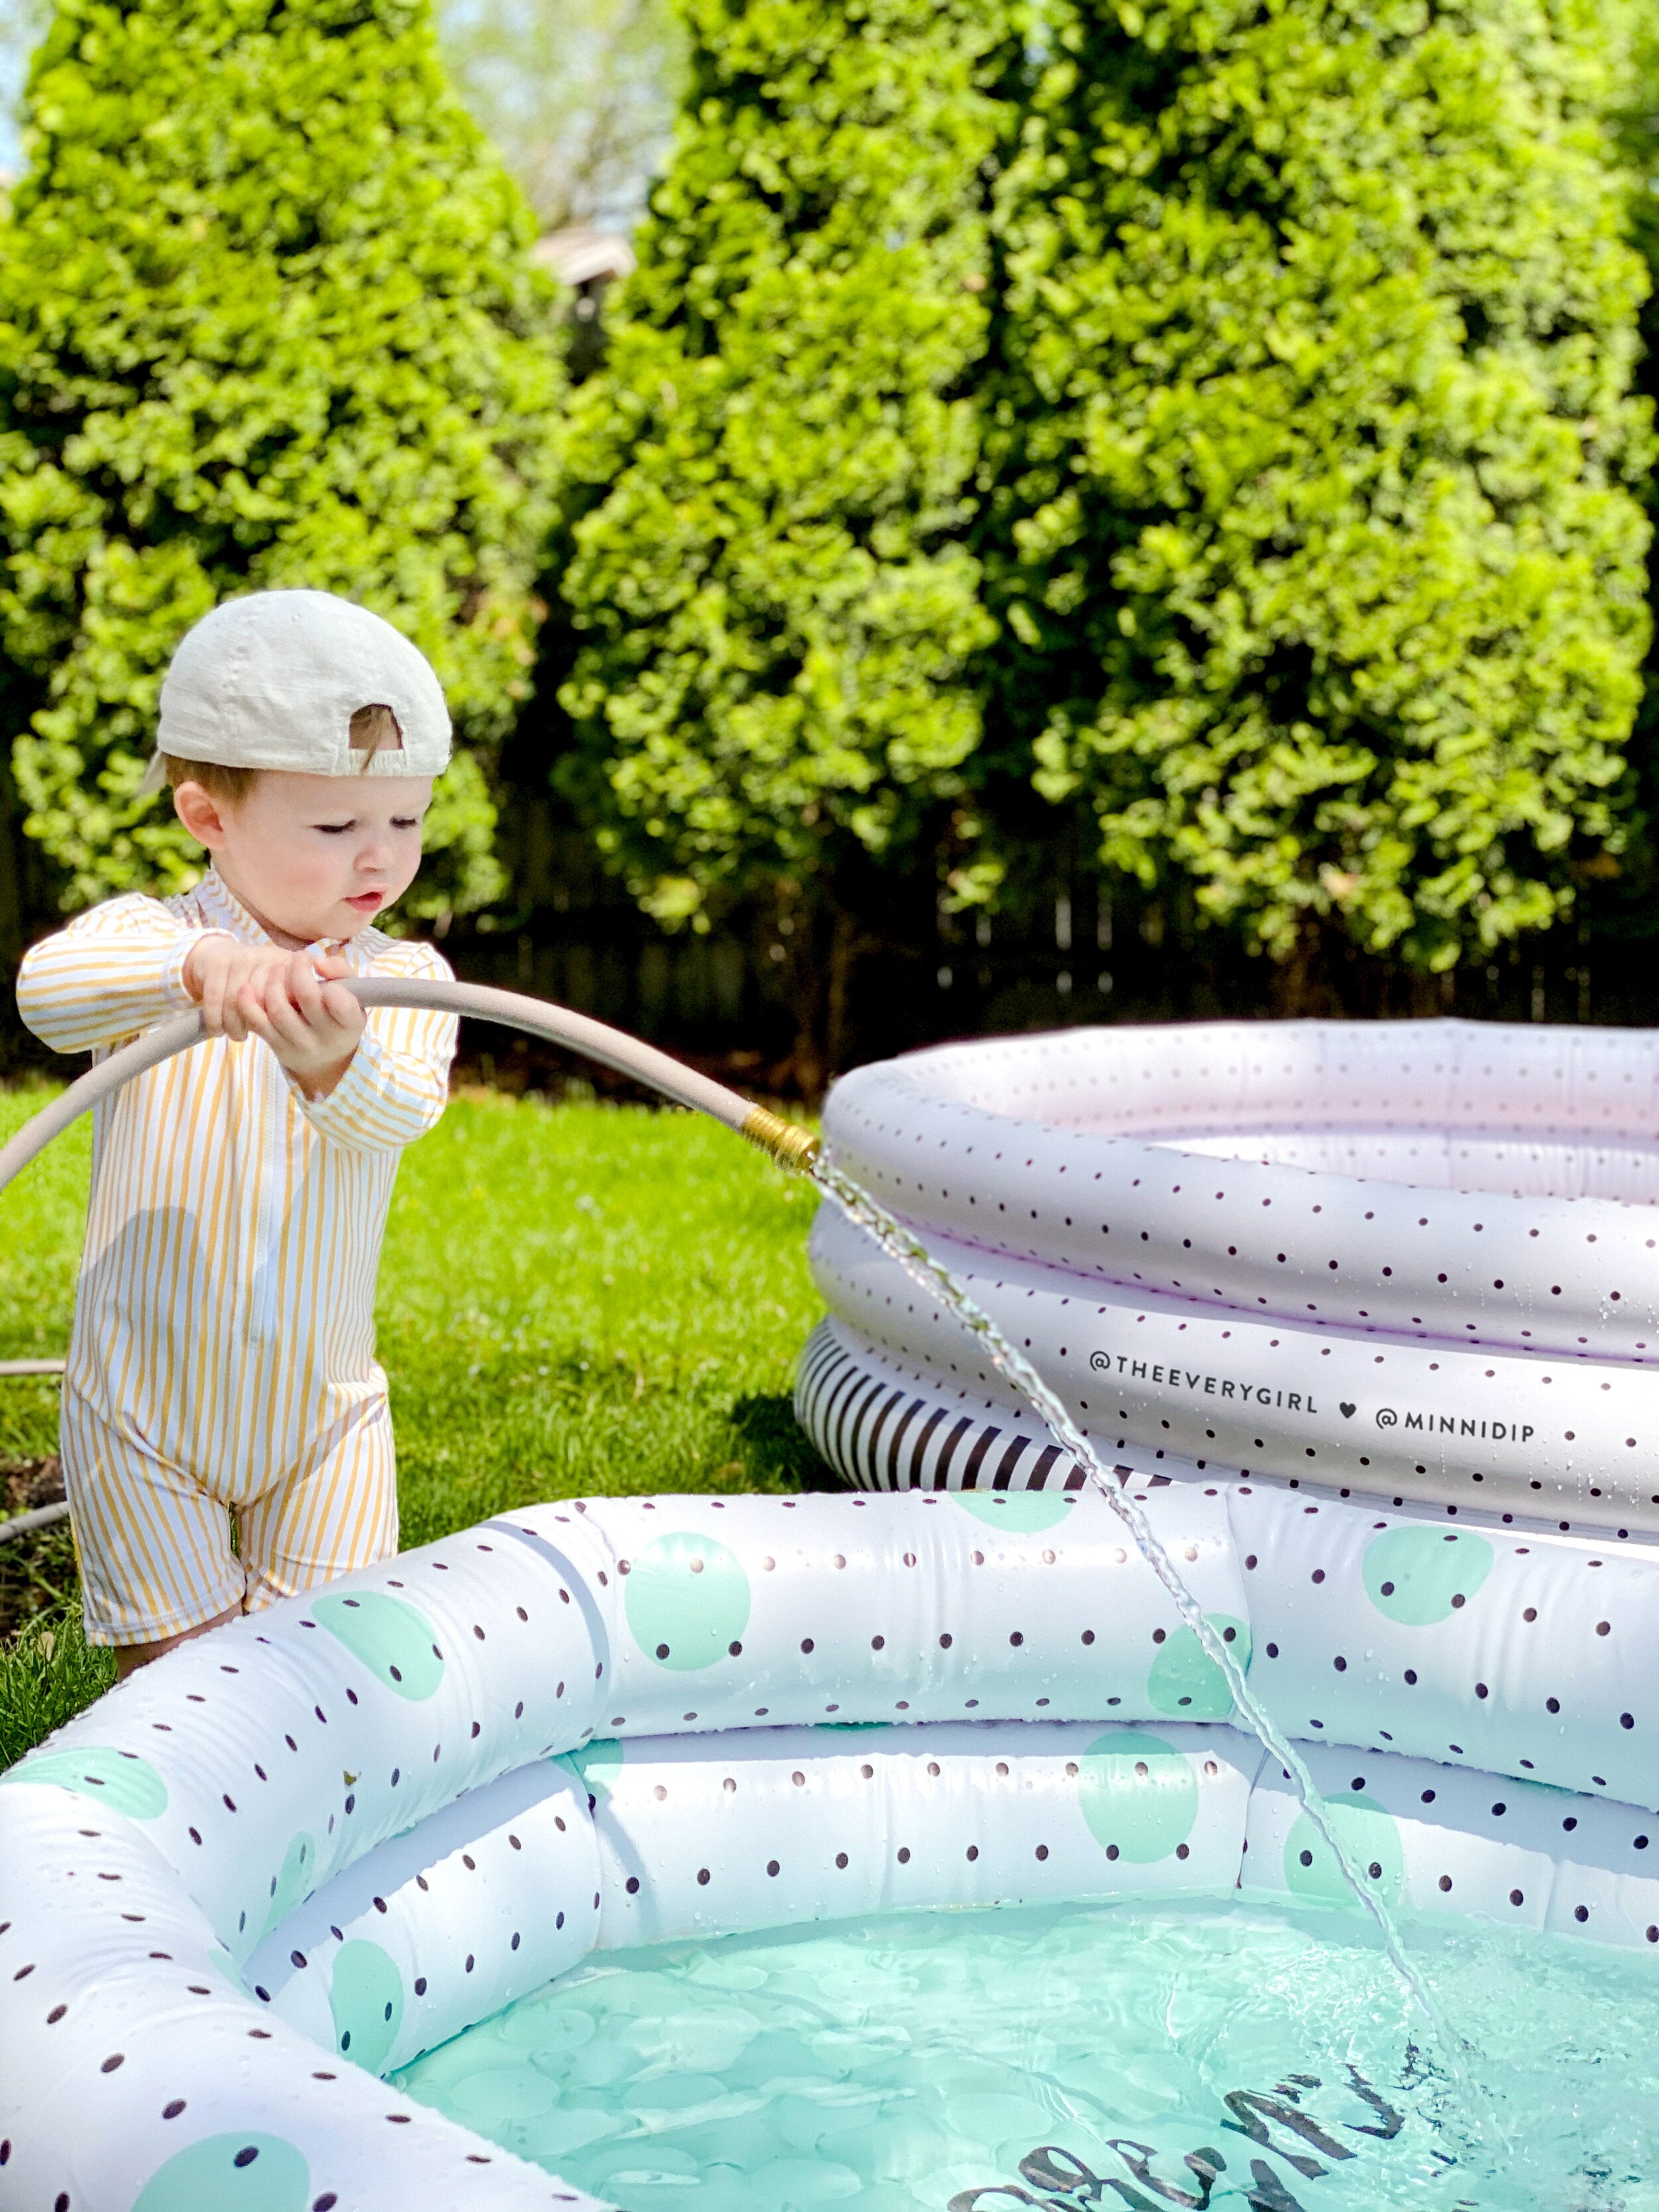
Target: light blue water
<point x="1070" y="2057"/>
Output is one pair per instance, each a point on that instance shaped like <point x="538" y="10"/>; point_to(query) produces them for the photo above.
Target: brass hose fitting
<point x="786" y="1142"/>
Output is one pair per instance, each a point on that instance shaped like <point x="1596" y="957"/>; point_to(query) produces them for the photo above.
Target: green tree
<point x="265" y="319"/>
<point x="771" y="604"/>
<point x="1624" y="905"/>
<point x="1311" y="524"/>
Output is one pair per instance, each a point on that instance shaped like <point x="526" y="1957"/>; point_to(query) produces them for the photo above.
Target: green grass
<point x="574" y="1299"/>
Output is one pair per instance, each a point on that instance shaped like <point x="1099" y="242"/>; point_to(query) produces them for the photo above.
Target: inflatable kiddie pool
<point x="1414" y="1260"/>
<point x="284" y="1862"/>
<point x="370" y="1832"/>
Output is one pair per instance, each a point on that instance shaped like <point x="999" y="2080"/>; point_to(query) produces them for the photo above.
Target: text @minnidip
<point x="1298" y="1401"/>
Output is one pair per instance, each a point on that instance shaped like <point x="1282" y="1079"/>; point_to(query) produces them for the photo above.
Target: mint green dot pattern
<point x="1021" y="1512"/>
<point x="393" y="1638"/>
<point x="1137" y="1793"/>
<point x="119" y="1780"/>
<point x="1185" y="1683"/>
<point x="218" y="2174"/>
<point x="366" y="1998"/>
<point x="1418" y="1577"/>
<point x="293" y="1881"/>
<point x="687" y="1602"/>
<point x="1370" y="1835"/>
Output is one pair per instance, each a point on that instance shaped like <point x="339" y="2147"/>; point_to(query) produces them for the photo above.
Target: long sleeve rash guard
<point x="224" y="1317"/>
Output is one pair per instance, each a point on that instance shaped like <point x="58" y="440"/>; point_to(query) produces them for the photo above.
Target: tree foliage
<point x="265" y="319"/>
<point x="1310" y="521"/>
<point x="1627" y="907"/>
<point x="771" y="481"/>
<point x="1258" y="481"/>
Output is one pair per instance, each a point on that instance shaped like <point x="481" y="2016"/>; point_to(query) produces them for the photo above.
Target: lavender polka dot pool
<point x="903" y="1847"/>
<point x="1410" y="1259"/>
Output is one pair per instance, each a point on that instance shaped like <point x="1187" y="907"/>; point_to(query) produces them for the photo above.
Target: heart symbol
<point x="1348" y="1411"/>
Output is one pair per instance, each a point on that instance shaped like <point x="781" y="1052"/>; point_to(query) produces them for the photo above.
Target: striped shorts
<point x="153" y="1539"/>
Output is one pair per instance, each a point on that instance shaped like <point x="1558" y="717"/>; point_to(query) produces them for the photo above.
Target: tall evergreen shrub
<point x="1312" y="533"/>
<point x="1626" y="905"/>
<point x="771" y="480"/>
<point x="265" y="319"/>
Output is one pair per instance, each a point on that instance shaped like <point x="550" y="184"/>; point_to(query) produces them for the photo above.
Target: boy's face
<point x="314" y="856"/>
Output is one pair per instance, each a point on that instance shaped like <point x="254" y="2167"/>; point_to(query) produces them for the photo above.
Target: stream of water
<point x="927" y="1272"/>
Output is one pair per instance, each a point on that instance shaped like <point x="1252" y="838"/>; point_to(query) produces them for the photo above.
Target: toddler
<point x="221" y="1364"/>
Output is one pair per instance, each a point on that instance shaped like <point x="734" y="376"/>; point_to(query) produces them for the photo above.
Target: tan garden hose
<point x="790" y="1146"/>
<point x="786" y="1142"/>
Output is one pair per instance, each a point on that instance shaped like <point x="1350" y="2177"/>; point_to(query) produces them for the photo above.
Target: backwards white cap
<point x="273" y="680"/>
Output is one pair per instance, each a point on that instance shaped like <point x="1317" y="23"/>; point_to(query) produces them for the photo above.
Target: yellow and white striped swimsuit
<point x="222" y="1356"/>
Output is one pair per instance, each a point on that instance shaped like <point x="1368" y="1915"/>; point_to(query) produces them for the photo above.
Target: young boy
<point x="222" y="1361"/>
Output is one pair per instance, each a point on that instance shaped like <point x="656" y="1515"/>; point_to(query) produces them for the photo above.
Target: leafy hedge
<point x="771" y="481"/>
<point x="1271" y="506"/>
<point x="265" y="319"/>
<point x="1312" y="531"/>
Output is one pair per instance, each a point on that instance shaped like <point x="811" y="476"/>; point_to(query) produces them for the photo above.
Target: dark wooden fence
<point x="1065" y="953"/>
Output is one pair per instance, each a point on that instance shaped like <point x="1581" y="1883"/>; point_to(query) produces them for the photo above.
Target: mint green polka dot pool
<point x="1107" y="2055"/>
<point x="902" y="1852"/>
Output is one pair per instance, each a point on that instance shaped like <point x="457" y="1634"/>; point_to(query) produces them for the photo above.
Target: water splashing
<point x="922" y="1268"/>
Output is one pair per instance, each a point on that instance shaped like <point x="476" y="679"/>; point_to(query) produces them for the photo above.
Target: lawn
<point x="574" y="1299"/>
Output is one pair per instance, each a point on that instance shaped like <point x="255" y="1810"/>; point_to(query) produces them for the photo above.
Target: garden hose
<point x="786" y="1142"/>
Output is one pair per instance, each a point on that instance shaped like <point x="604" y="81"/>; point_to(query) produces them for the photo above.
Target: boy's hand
<point x="296" y="1005"/>
<point x="214" y="973"/>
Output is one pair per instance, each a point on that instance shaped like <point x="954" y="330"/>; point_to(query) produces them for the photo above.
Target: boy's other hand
<point x="296" y="1004"/>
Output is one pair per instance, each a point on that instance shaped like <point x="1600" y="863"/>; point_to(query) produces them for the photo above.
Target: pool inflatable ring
<point x="1414" y="1260"/>
<point x="293" y="1854"/>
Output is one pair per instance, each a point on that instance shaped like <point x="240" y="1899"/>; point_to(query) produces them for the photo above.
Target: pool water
<point x="1070" y="2058"/>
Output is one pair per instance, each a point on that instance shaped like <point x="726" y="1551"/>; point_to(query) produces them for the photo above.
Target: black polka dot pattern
<point x="990" y="1647"/>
